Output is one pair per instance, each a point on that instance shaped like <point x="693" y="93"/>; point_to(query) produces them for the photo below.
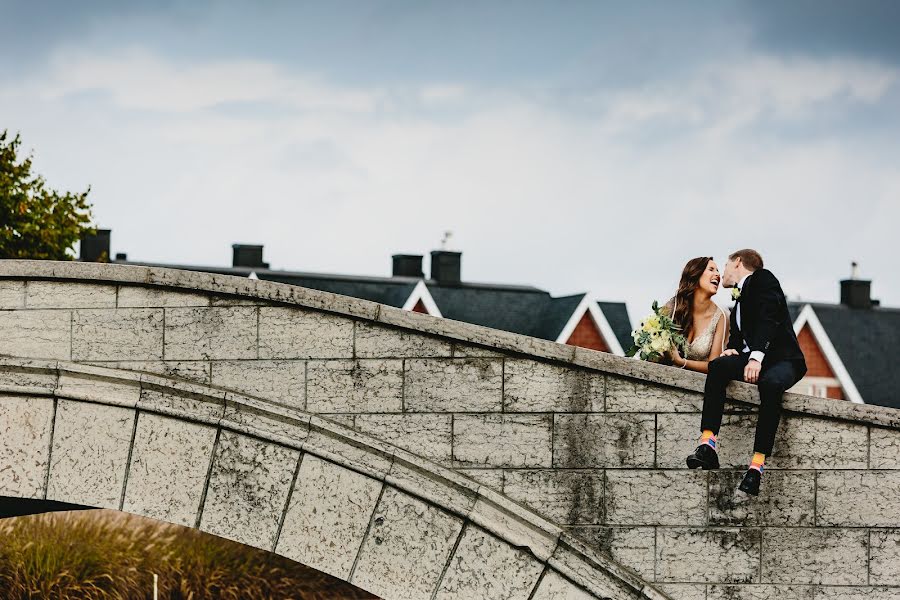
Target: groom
<point x="762" y="349"/>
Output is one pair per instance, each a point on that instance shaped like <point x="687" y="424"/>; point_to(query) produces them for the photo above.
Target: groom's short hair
<point x="749" y="258"/>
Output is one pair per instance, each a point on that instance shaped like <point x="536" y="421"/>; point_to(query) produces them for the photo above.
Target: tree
<point x="36" y="222"/>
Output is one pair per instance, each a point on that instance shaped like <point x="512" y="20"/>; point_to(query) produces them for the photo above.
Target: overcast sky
<point x="569" y="145"/>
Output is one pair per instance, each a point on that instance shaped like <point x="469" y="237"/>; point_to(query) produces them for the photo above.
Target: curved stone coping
<point x="455" y="493"/>
<point x="196" y="281"/>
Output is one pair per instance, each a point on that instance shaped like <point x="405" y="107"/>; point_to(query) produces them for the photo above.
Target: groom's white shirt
<point x="757" y="354"/>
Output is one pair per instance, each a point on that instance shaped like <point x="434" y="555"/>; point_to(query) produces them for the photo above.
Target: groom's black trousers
<point x="774" y="379"/>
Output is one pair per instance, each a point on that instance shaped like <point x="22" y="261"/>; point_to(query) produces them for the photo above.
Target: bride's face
<point x="710" y="279"/>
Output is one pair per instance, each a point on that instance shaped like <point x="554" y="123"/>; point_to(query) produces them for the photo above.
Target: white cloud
<point x="608" y="200"/>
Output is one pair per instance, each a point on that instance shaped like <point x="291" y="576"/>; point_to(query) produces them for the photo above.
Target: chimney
<point x="95" y="248"/>
<point x="857" y="293"/>
<point x="446" y="266"/>
<point x="248" y="255"/>
<point x="407" y="265"/>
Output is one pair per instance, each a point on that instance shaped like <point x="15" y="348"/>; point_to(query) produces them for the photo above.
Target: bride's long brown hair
<point x="684" y="298"/>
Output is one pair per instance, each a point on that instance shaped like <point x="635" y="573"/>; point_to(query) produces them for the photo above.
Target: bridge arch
<point x="285" y="481"/>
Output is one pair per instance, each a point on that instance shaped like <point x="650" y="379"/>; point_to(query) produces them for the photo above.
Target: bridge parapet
<point x="593" y="442"/>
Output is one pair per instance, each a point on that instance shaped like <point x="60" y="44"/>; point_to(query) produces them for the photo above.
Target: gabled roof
<point x="514" y="308"/>
<point x="864" y="339"/>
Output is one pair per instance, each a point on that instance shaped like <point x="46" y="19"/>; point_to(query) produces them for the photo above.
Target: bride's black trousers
<point x="774" y="379"/>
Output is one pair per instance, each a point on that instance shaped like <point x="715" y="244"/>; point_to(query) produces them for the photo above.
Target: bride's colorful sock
<point x="709" y="438"/>
<point x="757" y="462"/>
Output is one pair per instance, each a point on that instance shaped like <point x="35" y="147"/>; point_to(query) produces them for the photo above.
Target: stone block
<point x="453" y="385"/>
<point x="655" y="497"/>
<point x="358" y="386"/>
<point x="28" y="377"/>
<point x="404" y="527"/>
<point x="426" y="435"/>
<point x="67" y="294"/>
<point x="89" y="458"/>
<point x="248" y="489"/>
<point x="884" y="557"/>
<point x="377" y="341"/>
<point x="884" y="448"/>
<point x="210" y="333"/>
<point x="532" y="386"/>
<point x="683" y="591"/>
<point x="327" y="518"/>
<point x="169" y="464"/>
<point x="554" y="586"/>
<point x="36" y="334"/>
<point x="492" y="478"/>
<point x="519" y="441"/>
<point x="856" y="593"/>
<point x="297" y="333"/>
<point x="148" y="297"/>
<point x="815" y="556"/>
<point x="182" y="401"/>
<point x="461" y="350"/>
<point x="632" y="395"/>
<point x="761" y="592"/>
<point x="192" y="370"/>
<point x="119" y="334"/>
<point x="611" y="440"/>
<point x="786" y="499"/>
<point x="280" y="381"/>
<point x="83" y="382"/>
<point x="25" y="426"/>
<point x="858" y="498"/>
<point x="632" y="547"/>
<point x="707" y="555"/>
<point x="12" y="294"/>
<point x="565" y="497"/>
<point x="816" y="443"/>
<point x="484" y="567"/>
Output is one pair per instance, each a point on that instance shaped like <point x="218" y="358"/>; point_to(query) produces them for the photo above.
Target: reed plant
<point x="109" y="555"/>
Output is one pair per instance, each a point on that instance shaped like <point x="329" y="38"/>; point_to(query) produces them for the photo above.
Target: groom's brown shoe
<point x="704" y="457"/>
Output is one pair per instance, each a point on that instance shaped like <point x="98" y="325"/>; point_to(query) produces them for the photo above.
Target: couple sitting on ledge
<point x="757" y="346"/>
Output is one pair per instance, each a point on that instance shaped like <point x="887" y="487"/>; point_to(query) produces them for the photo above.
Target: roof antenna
<point x="854" y="270"/>
<point x="446" y="239"/>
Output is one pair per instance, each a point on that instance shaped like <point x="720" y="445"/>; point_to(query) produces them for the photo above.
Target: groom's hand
<point x="751" y="371"/>
<point x="730" y="352"/>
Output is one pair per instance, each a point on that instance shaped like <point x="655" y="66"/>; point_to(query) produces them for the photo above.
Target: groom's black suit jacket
<point x="765" y="321"/>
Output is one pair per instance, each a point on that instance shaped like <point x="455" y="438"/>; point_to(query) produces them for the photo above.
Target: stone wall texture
<point x="275" y="415"/>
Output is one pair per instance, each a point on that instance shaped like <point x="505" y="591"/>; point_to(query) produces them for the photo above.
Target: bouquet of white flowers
<point x="657" y="335"/>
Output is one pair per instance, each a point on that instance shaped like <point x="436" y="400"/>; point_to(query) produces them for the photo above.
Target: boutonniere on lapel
<point x="736" y="293"/>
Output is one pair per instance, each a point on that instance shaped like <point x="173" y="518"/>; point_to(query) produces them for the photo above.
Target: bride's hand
<point x="674" y="356"/>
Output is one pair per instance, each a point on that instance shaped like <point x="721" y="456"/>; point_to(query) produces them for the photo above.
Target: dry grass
<point x="100" y="554"/>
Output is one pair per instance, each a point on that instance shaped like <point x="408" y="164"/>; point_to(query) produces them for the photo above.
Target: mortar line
<point x="306" y="386"/>
<point x="50" y="449"/>
<point x="366" y="534"/>
<point x="164" y="342"/>
<point x="503" y="385"/>
<point x="869" y="447"/>
<point x="71" y="335"/>
<point x="137" y="414"/>
<point x="287" y="502"/>
<point x="462" y="531"/>
<point x="869" y="558"/>
<point x="537" y="583"/>
<point x="212" y="460"/>
<point x="257" y="332"/>
<point x="402" y="385"/>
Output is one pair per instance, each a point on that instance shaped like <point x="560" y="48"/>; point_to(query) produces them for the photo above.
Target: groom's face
<point x="730" y="276"/>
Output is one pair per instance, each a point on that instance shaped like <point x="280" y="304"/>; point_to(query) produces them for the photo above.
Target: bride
<point x="701" y="320"/>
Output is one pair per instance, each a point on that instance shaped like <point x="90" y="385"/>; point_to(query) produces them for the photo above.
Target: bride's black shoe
<point x="704" y="457"/>
<point x="750" y="482"/>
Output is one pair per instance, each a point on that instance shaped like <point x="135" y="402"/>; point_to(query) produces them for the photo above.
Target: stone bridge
<point x="418" y="457"/>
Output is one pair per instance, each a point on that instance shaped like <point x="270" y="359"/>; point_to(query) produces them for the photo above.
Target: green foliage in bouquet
<point x="657" y="335"/>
